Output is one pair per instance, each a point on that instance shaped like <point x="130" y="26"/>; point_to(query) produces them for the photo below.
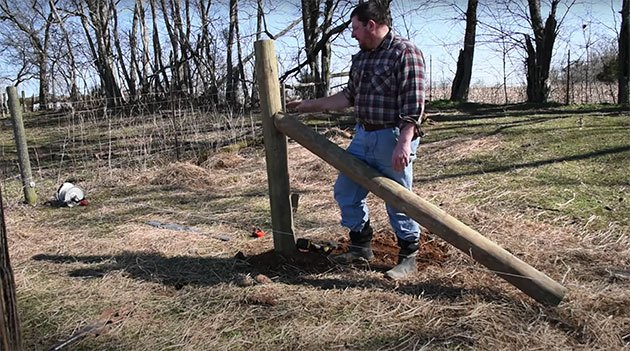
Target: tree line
<point x="132" y="50"/>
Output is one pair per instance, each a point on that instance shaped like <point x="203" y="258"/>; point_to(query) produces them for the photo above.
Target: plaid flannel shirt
<point x="386" y="85"/>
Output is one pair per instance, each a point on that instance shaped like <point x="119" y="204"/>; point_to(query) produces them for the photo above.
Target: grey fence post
<point x="22" y="149"/>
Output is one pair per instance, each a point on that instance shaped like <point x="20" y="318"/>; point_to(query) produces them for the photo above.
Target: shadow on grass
<point x="153" y="267"/>
<point x="178" y="272"/>
<point x="181" y="271"/>
<point x="480" y="110"/>
<point x="534" y="164"/>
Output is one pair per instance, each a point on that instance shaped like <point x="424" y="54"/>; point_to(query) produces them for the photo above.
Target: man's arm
<point x="337" y="101"/>
<point x="402" y="152"/>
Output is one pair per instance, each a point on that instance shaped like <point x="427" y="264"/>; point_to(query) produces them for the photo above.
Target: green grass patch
<point x="575" y="165"/>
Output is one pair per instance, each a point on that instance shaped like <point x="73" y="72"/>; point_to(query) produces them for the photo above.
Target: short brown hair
<point x="375" y="10"/>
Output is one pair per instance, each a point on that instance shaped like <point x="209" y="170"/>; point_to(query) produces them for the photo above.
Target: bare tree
<point x="207" y="58"/>
<point x="230" y="87"/>
<point x="624" y="54"/>
<point x="539" y="52"/>
<point x="158" y="65"/>
<point x="74" y="91"/>
<point x="461" y="82"/>
<point x="96" y="23"/>
<point x="319" y="44"/>
<point x="128" y="74"/>
<point x="32" y="21"/>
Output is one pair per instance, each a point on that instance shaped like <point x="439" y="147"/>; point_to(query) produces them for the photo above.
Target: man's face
<point x="361" y="33"/>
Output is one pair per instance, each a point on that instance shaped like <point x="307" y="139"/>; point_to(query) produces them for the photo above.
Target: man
<point x="386" y="88"/>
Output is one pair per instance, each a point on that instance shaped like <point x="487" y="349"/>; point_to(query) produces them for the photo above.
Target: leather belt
<point x="368" y="127"/>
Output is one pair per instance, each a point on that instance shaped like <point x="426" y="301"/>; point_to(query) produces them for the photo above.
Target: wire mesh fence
<point x="93" y="134"/>
<point x="89" y="135"/>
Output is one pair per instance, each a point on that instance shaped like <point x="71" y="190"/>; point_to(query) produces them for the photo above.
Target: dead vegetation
<point x="211" y="286"/>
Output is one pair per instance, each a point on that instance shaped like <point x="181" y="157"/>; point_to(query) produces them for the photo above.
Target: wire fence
<point x="92" y="134"/>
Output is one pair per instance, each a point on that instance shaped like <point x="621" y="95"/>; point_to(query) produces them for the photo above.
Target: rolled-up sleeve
<point x="350" y="90"/>
<point x="411" y="93"/>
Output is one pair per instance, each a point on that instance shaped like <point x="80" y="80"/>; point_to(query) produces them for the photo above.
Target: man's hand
<point x="401" y="157"/>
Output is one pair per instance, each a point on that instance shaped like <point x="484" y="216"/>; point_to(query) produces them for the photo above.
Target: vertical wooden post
<point x="22" y="150"/>
<point x="10" y="334"/>
<point x="23" y="101"/>
<point x="275" y="148"/>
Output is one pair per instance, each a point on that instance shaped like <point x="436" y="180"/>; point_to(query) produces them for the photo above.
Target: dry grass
<point x="182" y="290"/>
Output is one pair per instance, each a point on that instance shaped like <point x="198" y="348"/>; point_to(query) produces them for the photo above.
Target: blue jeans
<point x="376" y="149"/>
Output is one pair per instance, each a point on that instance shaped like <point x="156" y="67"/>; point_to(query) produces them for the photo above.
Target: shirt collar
<point x="387" y="41"/>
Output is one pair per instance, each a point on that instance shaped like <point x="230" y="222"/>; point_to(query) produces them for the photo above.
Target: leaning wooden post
<point x="529" y="280"/>
<point x="10" y="334"/>
<point x="20" y="141"/>
<point x="275" y="148"/>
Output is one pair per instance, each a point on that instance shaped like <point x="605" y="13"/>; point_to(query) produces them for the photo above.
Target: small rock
<point x="263" y="279"/>
<point x="244" y="280"/>
<point x="223" y="237"/>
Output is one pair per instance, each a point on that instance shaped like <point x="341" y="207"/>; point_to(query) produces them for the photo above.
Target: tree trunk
<point x="176" y="82"/>
<point x="158" y="64"/>
<point x="181" y="35"/>
<point x="461" y="83"/>
<point x="241" y="67"/>
<point x="211" y="88"/>
<point x="44" y="89"/>
<point x="10" y="332"/>
<point x="260" y="17"/>
<point x="324" y="87"/>
<point x="230" y="87"/>
<point x="310" y="15"/>
<point x="624" y="54"/>
<point x="128" y="74"/>
<point x="538" y="59"/>
<point x="74" y="91"/>
<point x="134" y="65"/>
<point x="100" y="14"/>
<point x="144" y="75"/>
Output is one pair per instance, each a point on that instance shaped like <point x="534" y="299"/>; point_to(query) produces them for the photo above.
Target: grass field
<point x="550" y="185"/>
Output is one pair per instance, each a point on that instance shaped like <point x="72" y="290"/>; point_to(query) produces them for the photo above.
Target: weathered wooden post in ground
<point x="275" y="148"/>
<point x="22" y="149"/>
<point x="10" y="334"/>
<point x="529" y="280"/>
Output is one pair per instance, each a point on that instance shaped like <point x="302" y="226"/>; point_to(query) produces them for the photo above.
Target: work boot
<point x="360" y="247"/>
<point x="407" y="265"/>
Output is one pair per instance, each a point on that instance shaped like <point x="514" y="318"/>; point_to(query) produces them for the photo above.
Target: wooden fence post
<point x="276" y="155"/>
<point x="22" y="149"/>
<point x="23" y="101"/>
<point x="10" y="334"/>
<point x="529" y="280"/>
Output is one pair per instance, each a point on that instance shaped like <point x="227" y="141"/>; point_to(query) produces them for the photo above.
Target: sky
<point x="438" y="32"/>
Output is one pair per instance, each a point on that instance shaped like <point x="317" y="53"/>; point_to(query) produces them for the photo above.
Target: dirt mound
<point x="182" y="174"/>
<point x="432" y="252"/>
